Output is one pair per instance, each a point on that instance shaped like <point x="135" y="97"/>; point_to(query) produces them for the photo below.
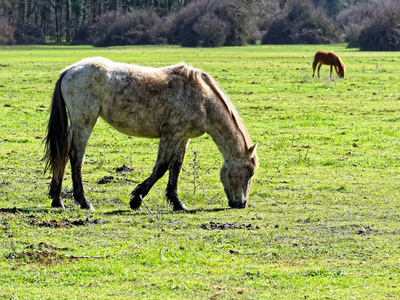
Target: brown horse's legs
<point x="313" y="70"/>
<point x="166" y="151"/>
<point x="337" y="71"/>
<point x="319" y="68"/>
<point x="174" y="170"/>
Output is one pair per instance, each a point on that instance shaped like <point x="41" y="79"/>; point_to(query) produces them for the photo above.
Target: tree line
<point x="367" y="24"/>
<point x="61" y="20"/>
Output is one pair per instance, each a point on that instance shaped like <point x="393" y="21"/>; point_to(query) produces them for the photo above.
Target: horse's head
<point x="341" y="72"/>
<point x="236" y="176"/>
<point x="341" y="67"/>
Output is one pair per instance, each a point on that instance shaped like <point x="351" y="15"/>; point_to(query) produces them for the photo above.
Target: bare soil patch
<point x="65" y="223"/>
<point x="226" y="226"/>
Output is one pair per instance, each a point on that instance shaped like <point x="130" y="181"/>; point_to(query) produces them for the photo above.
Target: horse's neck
<point x="226" y="135"/>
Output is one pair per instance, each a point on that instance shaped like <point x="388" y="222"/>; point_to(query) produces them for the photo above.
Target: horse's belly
<point x="134" y="125"/>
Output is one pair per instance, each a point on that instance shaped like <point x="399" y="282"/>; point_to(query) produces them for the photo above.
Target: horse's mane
<point x="199" y="75"/>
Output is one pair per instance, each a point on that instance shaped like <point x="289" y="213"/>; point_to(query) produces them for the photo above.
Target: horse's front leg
<point x="143" y="189"/>
<point x="337" y="70"/>
<point x="319" y="68"/>
<point x="165" y="154"/>
<point x="174" y="170"/>
<point x="331" y="70"/>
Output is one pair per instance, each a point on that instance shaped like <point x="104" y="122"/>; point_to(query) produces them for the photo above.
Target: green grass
<point x="324" y="214"/>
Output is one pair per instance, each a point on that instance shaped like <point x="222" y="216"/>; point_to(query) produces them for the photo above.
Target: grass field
<point x="324" y="214"/>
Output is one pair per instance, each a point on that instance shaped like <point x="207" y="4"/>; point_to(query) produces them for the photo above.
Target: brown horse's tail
<point x="56" y="141"/>
<point x="316" y="60"/>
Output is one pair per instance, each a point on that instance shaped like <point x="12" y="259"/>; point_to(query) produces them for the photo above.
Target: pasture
<point x="323" y="220"/>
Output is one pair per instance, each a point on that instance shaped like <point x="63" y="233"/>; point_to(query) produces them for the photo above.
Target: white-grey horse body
<point x="135" y="100"/>
<point x="174" y="104"/>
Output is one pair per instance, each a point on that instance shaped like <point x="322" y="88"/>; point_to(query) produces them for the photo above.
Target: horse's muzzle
<point x="238" y="204"/>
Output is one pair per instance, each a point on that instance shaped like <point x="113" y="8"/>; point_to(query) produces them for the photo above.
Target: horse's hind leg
<point x="56" y="186"/>
<point x="81" y="128"/>
<point x="57" y="179"/>
<point x="174" y="170"/>
<point x="314" y="66"/>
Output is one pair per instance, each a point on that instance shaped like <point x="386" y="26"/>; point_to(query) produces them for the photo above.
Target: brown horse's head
<point x="341" y="66"/>
<point x="236" y="176"/>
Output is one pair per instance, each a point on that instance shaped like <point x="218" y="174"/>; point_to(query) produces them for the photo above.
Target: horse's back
<point x="324" y="57"/>
<point x="138" y="101"/>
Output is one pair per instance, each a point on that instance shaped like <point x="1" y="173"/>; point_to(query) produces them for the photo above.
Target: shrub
<point x="383" y="33"/>
<point x="6" y="32"/>
<point x="353" y="20"/>
<point x="117" y="29"/>
<point x="211" y="30"/>
<point x="211" y="24"/>
<point x="304" y="24"/>
<point x="29" y="34"/>
<point x="134" y="29"/>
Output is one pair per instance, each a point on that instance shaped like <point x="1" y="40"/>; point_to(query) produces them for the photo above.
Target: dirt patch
<point x="106" y="179"/>
<point x="66" y="223"/>
<point x="47" y="257"/>
<point x="124" y="169"/>
<point x="7" y="231"/>
<point x="112" y="179"/>
<point x="365" y="230"/>
<point x="43" y="246"/>
<point x="42" y="253"/>
<point x="226" y="226"/>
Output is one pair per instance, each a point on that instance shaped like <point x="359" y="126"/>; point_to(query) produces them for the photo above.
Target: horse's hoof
<point x="181" y="207"/>
<point x="135" y="206"/>
<point x="88" y="207"/>
<point x="136" y="202"/>
<point x="57" y="204"/>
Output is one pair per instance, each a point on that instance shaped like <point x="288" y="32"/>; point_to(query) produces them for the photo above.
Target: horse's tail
<point x="56" y="141"/>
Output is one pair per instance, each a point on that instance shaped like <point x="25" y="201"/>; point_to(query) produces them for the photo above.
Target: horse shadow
<point x="163" y="212"/>
<point x="36" y="210"/>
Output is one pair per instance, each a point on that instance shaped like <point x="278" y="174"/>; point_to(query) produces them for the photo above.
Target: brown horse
<point x="330" y="59"/>
<point x="173" y="104"/>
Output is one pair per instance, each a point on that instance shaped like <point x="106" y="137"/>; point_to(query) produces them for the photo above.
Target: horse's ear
<point x="252" y="150"/>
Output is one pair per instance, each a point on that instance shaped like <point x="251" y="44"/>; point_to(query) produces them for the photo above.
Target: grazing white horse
<point x="173" y="104"/>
